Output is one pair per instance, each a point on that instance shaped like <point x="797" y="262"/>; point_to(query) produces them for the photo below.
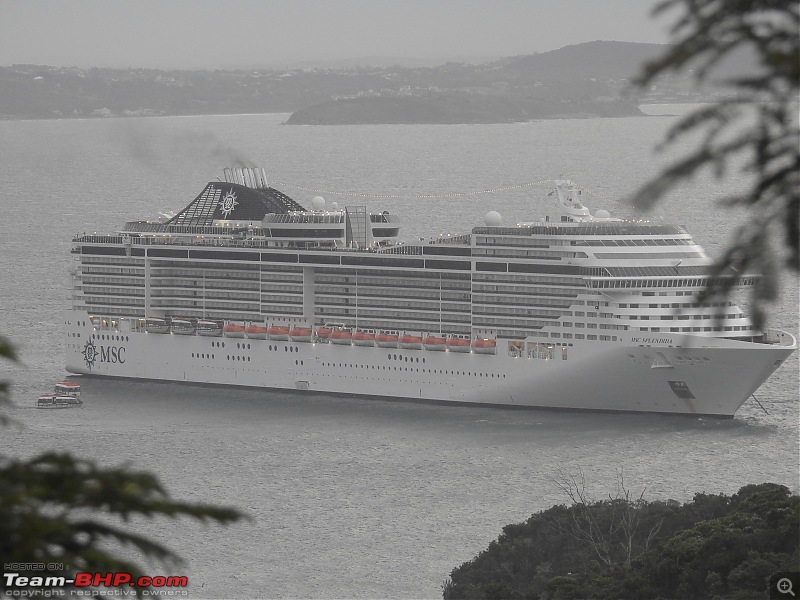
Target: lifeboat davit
<point x="256" y="332"/>
<point x="181" y="326"/>
<point x="233" y="330"/>
<point x="411" y="342"/>
<point x="301" y="334"/>
<point x="278" y="332"/>
<point x="364" y="338"/>
<point x="386" y="339"/>
<point x="342" y="337"/>
<point x="155" y="325"/>
<point x="484" y="346"/>
<point x="456" y="344"/>
<point x="433" y="342"/>
<point x="209" y="328"/>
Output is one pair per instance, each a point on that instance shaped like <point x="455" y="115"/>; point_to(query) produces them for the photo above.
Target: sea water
<point x="352" y="497"/>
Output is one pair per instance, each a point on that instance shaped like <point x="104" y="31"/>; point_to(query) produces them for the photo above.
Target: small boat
<point x="341" y="336"/>
<point x="387" y="339"/>
<point x="233" y="330"/>
<point x="457" y="344"/>
<point x="364" y="338"/>
<point x="256" y="332"/>
<point x="411" y="342"/>
<point x="301" y="334"/>
<point x="278" y="332"/>
<point x="484" y="346"/>
<point x="433" y="342"/>
<point x="154" y="325"/>
<point x="68" y="388"/>
<point x="181" y="327"/>
<point x="209" y="328"/>
<point x="58" y="401"/>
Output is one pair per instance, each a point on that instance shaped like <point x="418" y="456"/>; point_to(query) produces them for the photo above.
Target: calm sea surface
<point x="352" y="497"/>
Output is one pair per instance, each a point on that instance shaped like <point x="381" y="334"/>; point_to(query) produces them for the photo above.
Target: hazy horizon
<point x="199" y="34"/>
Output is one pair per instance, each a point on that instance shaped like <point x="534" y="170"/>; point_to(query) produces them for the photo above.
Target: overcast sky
<point x="223" y="34"/>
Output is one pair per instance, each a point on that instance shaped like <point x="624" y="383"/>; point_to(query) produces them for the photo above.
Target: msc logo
<point x="104" y="354"/>
<point x="228" y="203"/>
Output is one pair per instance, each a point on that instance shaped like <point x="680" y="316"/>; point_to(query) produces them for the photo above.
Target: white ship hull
<point x="672" y="374"/>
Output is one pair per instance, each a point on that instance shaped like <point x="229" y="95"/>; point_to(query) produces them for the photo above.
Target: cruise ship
<point x="246" y="287"/>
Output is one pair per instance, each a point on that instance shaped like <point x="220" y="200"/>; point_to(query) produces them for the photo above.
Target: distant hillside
<point x="585" y="79"/>
<point x="598" y="60"/>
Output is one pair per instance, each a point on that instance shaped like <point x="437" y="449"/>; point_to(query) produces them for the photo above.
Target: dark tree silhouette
<point x="58" y="509"/>
<point x="755" y="130"/>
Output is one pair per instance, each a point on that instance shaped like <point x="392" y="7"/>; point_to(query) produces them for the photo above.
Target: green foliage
<point x="755" y="131"/>
<point x="59" y="509"/>
<point x="711" y="547"/>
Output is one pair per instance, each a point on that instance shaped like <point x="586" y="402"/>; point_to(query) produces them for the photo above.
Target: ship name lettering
<point x="112" y="354"/>
<point x="648" y="340"/>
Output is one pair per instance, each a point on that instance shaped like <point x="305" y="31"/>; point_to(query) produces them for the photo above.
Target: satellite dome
<point x="318" y="202"/>
<point x="335" y="205"/>
<point x="493" y="219"/>
<point x="602" y="214"/>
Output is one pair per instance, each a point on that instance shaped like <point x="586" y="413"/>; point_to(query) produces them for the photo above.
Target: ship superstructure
<point x="247" y="287"/>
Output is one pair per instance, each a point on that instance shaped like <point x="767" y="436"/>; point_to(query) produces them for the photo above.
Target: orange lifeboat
<point x="484" y="346"/>
<point x="256" y="332"/>
<point x="324" y="332"/>
<point x="456" y="344"/>
<point x="364" y="338"/>
<point x="301" y="334"/>
<point x="233" y="330"/>
<point x="278" y="332"/>
<point x="341" y="336"/>
<point x="433" y="342"/>
<point x="386" y="339"/>
<point x="411" y="342"/>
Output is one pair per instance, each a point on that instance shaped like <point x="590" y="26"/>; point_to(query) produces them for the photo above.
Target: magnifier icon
<point x="784" y="586"/>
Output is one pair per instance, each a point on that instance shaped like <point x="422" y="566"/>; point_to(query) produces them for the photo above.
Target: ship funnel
<point x="251" y="177"/>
